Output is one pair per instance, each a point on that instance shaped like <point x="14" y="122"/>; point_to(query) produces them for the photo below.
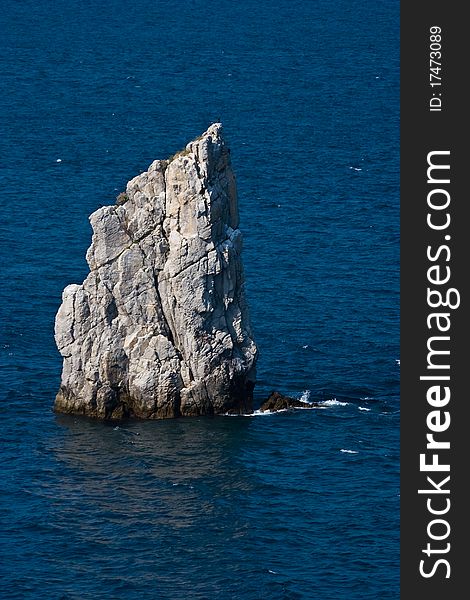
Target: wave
<point x="256" y="413"/>
<point x="305" y="396"/>
<point x="333" y="402"/>
<point x="349" y="451"/>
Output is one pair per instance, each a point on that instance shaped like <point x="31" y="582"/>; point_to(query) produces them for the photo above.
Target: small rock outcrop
<point x="277" y="401"/>
<point x="160" y="326"/>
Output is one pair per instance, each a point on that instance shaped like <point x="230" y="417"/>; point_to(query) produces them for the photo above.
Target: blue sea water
<point x="297" y="505"/>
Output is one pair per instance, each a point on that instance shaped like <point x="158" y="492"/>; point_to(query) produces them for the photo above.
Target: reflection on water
<point x="160" y="493"/>
<point x="169" y="473"/>
<point x="204" y="507"/>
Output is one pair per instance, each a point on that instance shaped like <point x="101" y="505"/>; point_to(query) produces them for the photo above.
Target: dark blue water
<point x="300" y="505"/>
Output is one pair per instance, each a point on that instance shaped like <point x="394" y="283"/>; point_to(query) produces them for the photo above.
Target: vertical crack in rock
<point x="160" y="326"/>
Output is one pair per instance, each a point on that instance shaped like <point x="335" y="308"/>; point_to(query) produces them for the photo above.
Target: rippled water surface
<point x="298" y="505"/>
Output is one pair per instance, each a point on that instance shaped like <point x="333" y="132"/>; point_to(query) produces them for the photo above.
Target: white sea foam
<point x="255" y="413"/>
<point x="333" y="402"/>
<point x="258" y="413"/>
<point x="363" y="408"/>
<point x="349" y="451"/>
<point x="305" y="397"/>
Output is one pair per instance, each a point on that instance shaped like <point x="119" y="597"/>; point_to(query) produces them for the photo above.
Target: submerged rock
<point x="160" y="326"/>
<point x="277" y="401"/>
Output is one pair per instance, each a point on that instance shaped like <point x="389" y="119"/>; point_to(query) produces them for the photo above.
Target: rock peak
<point x="160" y="326"/>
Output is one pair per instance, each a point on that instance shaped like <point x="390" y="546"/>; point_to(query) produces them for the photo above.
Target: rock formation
<point x="160" y="326"/>
<point x="277" y="401"/>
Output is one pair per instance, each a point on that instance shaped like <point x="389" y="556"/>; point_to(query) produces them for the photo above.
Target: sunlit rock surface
<point x="160" y="326"/>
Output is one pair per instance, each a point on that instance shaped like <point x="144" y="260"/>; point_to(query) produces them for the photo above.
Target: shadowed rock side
<point x="160" y="326"/>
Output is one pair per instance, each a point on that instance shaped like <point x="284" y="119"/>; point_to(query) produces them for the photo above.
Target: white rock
<point x="160" y="326"/>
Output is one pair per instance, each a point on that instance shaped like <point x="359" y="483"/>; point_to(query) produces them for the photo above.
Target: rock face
<point x="160" y="326"/>
<point x="277" y="401"/>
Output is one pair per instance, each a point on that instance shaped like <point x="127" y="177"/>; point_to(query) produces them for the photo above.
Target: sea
<point x="303" y="504"/>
